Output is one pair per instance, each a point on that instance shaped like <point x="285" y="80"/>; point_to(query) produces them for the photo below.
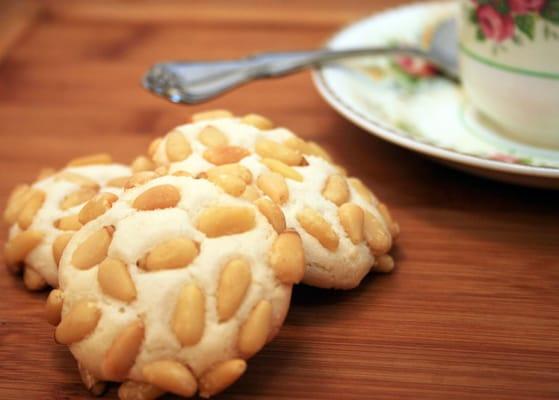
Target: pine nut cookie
<point x="44" y="215"/>
<point x="173" y="288"/>
<point x="345" y="230"/>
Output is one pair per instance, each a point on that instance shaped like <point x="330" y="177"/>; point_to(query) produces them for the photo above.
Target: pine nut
<point x="315" y="149"/>
<point x="32" y="280"/>
<point x="210" y="136"/>
<point x="282" y="169"/>
<point x="253" y="335"/>
<point x="153" y="146"/>
<point x="79" y="322"/>
<point x="377" y="237"/>
<point x="177" y="147"/>
<point x="123" y="351"/>
<point x="174" y="253"/>
<point x="272" y="212"/>
<point x="393" y="226"/>
<point x="68" y="223"/>
<point x="31" y="207"/>
<point x="296" y="143"/>
<point x="308" y="148"/>
<point x="190" y="315"/>
<point x="230" y="184"/>
<point x="91" y="383"/>
<point x="225" y="220"/>
<point x="273" y="185"/>
<point x="131" y="390"/>
<point x="363" y="190"/>
<point x="142" y="163"/>
<point x="231" y="169"/>
<point x="384" y="263"/>
<point x="287" y="257"/>
<point x="18" y="197"/>
<point x="221" y="155"/>
<point x="233" y="284"/>
<point x="269" y="149"/>
<point x="211" y="114"/>
<point x="53" y="306"/>
<point x="94" y="249"/>
<point x="118" y="182"/>
<point x="20" y="245"/>
<point x="45" y="173"/>
<point x="59" y="245"/>
<point x="171" y="376"/>
<point x="351" y="218"/>
<point x="115" y="280"/>
<point x="78" y="197"/>
<point x="78" y="179"/>
<point x="258" y="121"/>
<point x="156" y="197"/>
<point x="336" y="190"/>
<point x="99" y="158"/>
<point x="251" y="193"/>
<point x="140" y="178"/>
<point x="318" y="227"/>
<point x="221" y="376"/>
<point x="96" y="207"/>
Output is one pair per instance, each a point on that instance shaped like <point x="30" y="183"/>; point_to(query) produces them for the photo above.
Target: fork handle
<point x="201" y="80"/>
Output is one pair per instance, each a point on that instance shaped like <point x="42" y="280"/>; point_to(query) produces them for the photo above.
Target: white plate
<point x="427" y="115"/>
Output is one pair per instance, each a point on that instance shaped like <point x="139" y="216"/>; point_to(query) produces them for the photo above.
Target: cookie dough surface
<point x="203" y="289"/>
<point x="295" y="174"/>
<point x="48" y="209"/>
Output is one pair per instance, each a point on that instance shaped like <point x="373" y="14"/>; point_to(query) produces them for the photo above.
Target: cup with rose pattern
<point x="509" y="58"/>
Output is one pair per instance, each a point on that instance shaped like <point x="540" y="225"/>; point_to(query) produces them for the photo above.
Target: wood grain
<point x="472" y="311"/>
<point x="15" y="18"/>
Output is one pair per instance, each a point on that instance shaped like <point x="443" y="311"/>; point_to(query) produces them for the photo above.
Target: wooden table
<point x="472" y="311"/>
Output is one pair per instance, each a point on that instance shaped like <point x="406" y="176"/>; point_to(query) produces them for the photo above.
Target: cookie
<point x="172" y="288"/>
<point x="345" y="230"/>
<point x="44" y="215"/>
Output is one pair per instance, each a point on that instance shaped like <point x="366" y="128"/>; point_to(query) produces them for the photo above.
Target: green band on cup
<point x="521" y="71"/>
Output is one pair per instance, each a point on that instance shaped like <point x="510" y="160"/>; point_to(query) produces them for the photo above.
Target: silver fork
<point x="193" y="82"/>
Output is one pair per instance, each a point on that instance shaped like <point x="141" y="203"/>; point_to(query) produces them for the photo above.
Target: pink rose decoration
<point x="495" y="26"/>
<point x="525" y="6"/>
<point x="416" y="66"/>
<point x="504" y="157"/>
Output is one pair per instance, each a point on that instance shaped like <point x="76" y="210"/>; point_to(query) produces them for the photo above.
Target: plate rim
<point x="391" y="134"/>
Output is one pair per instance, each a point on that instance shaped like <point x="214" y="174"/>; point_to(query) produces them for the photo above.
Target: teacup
<point x="509" y="62"/>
